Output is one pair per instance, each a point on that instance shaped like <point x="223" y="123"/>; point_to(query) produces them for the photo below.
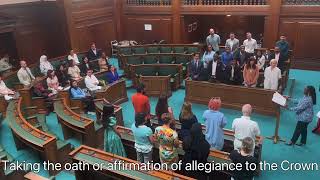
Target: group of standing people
<point x="239" y="64"/>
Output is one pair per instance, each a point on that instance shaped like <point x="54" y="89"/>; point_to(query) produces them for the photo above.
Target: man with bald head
<point x="244" y="127"/>
<point x="24" y="74"/>
<point x="213" y="40"/>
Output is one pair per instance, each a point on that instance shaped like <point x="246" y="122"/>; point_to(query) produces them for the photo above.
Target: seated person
<point x="40" y="91"/>
<point x="226" y="56"/>
<point x="244" y="156"/>
<point x="6" y="92"/>
<point x="251" y="73"/>
<point x="78" y="93"/>
<point x="93" y="53"/>
<point x="91" y="81"/>
<point x="85" y="65"/>
<point x="216" y="70"/>
<point x="233" y="73"/>
<point x="63" y="76"/>
<point x="4" y="63"/>
<point x="52" y="82"/>
<point x="195" y="67"/>
<point x="24" y="74"/>
<point x="45" y="65"/>
<point x="74" y="71"/>
<point x="112" y="75"/>
<point x="103" y="62"/>
<point x="208" y="56"/>
<point x="261" y="60"/>
<point x="272" y="75"/>
<point x="73" y="56"/>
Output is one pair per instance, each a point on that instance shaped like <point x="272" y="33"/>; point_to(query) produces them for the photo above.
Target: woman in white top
<point x="261" y="60"/>
<point x="208" y="56"/>
<point x="74" y="71"/>
<point x="272" y="75"/>
<point x="5" y="91"/>
<point x="45" y="65"/>
<point x="73" y="56"/>
<point x="52" y="82"/>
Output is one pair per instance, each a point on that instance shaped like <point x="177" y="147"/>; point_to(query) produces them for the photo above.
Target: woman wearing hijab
<point x="196" y="148"/>
<point x="304" y="114"/>
<point x="45" y="65"/>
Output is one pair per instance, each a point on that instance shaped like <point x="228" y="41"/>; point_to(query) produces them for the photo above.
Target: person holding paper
<point x="316" y="130"/>
<point x="304" y="112"/>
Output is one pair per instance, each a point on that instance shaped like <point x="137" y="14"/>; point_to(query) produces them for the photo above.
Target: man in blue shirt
<point x="227" y="56"/>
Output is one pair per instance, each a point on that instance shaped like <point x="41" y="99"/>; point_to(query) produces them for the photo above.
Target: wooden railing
<point x="149" y="2"/>
<point x="302" y="2"/>
<point x="224" y="2"/>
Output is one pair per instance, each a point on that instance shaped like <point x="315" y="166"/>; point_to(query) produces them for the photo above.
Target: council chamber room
<point x="159" y="89"/>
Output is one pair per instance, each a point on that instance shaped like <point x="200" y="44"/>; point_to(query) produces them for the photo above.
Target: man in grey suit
<point x="232" y="42"/>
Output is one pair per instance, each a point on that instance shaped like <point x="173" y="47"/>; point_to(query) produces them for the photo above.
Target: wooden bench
<point x="26" y="135"/>
<point x="76" y="125"/>
<point x="91" y="156"/>
<point x="99" y="108"/>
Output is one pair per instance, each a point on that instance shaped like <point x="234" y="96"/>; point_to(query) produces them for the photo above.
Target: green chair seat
<point x="191" y="50"/>
<point x="125" y="50"/>
<point x="134" y="60"/>
<point x="146" y="71"/>
<point x="139" y="50"/>
<point x="165" y="49"/>
<point x="166" y="59"/>
<point x="150" y="59"/>
<point x="171" y="70"/>
<point x="182" y="59"/>
<point x="153" y="49"/>
<point x="179" y="49"/>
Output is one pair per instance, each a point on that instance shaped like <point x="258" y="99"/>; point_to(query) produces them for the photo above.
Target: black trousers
<point x="88" y="101"/>
<point x="301" y="129"/>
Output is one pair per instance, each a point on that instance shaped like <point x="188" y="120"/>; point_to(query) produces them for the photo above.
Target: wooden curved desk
<point x="27" y="135"/>
<point x="115" y="93"/>
<point x="74" y="124"/>
<point x="93" y="156"/>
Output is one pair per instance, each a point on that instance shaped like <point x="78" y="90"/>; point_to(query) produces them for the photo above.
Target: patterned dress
<point x="168" y="153"/>
<point x="112" y="141"/>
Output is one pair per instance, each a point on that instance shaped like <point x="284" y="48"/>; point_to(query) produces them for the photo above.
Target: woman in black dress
<point x="187" y="119"/>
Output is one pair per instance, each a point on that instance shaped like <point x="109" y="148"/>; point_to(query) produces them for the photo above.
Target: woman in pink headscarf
<point x="215" y="121"/>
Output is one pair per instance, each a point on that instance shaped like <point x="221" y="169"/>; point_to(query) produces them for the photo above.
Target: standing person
<point x="304" y="114"/>
<point x="91" y="81"/>
<point x="261" y="60"/>
<point x="24" y="74"/>
<point x="93" y="53"/>
<point x="233" y="73"/>
<point x="168" y="141"/>
<point x="53" y="82"/>
<point x="84" y="66"/>
<point x="245" y="127"/>
<point x="195" y="67"/>
<point x="272" y="76"/>
<point x="215" y="121"/>
<point x="187" y="119"/>
<point x="216" y="69"/>
<point x="74" y="71"/>
<point x="208" y="56"/>
<point x="143" y="138"/>
<point x="73" y="56"/>
<point x="45" y="65"/>
<point x="78" y="93"/>
<point x="251" y="73"/>
<point x="227" y="56"/>
<point x="316" y="130"/>
<point x="162" y="107"/>
<point x="213" y="40"/>
<point x="277" y="55"/>
<point x="242" y="56"/>
<point x="250" y="44"/>
<point x="5" y="91"/>
<point x="112" y="138"/>
<point x="283" y="46"/>
<point x="112" y="75"/>
<point x="140" y="101"/>
<point x="232" y="42"/>
<point x="244" y="156"/>
<point x="197" y="149"/>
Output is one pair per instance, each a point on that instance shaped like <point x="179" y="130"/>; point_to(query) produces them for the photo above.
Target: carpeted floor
<point x="272" y="153"/>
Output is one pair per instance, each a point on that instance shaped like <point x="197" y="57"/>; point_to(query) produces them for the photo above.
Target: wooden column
<point x="271" y="25"/>
<point x="117" y="18"/>
<point x="176" y="21"/>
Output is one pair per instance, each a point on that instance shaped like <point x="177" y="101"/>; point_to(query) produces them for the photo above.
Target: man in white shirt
<point x="91" y="81"/>
<point x="213" y="40"/>
<point x="250" y="44"/>
<point x="244" y="127"/>
<point x="24" y="74"/>
<point x="4" y="63"/>
<point x="272" y="75"/>
<point x="232" y="42"/>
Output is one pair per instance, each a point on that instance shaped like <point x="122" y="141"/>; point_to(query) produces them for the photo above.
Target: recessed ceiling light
<point x="228" y="15"/>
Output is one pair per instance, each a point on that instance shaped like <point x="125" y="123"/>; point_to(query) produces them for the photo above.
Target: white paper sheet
<point x="279" y="99"/>
<point x="318" y="114"/>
